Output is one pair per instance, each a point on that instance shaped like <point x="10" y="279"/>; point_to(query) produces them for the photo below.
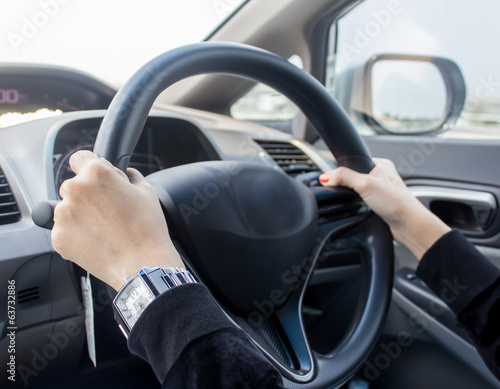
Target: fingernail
<point x="324" y="178"/>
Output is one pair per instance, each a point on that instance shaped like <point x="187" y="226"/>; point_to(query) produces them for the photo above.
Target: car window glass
<point x="464" y="31"/>
<point x="264" y="104"/>
<point x="108" y="39"/>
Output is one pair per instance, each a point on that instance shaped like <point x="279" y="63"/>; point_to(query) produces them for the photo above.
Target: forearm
<point x="170" y="323"/>
<point x="419" y="230"/>
<point x="189" y="342"/>
<point x="449" y="264"/>
<point x="456" y="271"/>
<point x="470" y="285"/>
<point x="481" y="318"/>
<point x="223" y="359"/>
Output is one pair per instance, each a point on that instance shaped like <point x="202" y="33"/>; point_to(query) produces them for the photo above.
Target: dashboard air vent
<point x="29" y="294"/>
<point x="331" y="212"/>
<point x="289" y="157"/>
<point x="9" y="211"/>
<point x="337" y="203"/>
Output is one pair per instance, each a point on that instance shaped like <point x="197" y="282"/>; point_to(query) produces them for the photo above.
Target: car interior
<point x="233" y="133"/>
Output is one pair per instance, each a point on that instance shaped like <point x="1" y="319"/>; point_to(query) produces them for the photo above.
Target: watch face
<point x="133" y="300"/>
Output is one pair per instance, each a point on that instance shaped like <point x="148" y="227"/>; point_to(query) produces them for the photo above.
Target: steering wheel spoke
<point x="289" y="317"/>
<point x="334" y="237"/>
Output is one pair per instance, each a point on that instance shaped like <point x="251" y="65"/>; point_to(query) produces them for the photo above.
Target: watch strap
<point x="157" y="280"/>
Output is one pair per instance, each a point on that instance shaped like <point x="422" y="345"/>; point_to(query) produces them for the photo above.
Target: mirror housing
<point x="412" y="94"/>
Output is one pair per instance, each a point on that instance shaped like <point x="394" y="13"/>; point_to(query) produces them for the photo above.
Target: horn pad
<point x="246" y="228"/>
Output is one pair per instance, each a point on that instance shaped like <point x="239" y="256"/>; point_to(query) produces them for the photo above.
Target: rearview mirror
<point x="408" y="94"/>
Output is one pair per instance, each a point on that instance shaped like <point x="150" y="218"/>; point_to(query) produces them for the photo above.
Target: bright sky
<point x="109" y="39"/>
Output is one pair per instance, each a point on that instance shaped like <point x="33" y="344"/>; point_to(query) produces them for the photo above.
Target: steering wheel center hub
<point x="246" y="227"/>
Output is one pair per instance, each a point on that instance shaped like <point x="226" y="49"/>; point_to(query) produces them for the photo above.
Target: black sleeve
<point x="470" y="285"/>
<point x="190" y="343"/>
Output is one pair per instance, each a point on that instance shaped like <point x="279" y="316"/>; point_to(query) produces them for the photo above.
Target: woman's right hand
<point x="111" y="223"/>
<point x="386" y="194"/>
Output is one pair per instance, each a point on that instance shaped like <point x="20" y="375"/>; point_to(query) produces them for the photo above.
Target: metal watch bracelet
<point x="141" y="289"/>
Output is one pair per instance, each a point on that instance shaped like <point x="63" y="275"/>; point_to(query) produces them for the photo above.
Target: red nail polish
<point x="324" y="178"/>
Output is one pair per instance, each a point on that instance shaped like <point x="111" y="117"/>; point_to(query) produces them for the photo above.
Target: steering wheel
<point x="256" y="240"/>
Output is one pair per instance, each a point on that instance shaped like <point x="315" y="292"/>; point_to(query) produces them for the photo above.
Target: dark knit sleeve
<point x="470" y="285"/>
<point x="190" y="343"/>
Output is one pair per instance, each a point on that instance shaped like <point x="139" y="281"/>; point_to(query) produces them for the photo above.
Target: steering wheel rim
<point x="127" y="115"/>
<point x="130" y="107"/>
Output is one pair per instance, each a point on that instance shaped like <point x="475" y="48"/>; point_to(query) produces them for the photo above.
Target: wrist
<point x="142" y="289"/>
<point x="132" y="266"/>
<point x="419" y="230"/>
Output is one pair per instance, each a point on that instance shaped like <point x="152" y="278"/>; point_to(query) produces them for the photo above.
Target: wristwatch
<point x="141" y="289"/>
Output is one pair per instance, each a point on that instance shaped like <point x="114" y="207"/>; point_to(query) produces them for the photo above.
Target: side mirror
<point x="409" y="94"/>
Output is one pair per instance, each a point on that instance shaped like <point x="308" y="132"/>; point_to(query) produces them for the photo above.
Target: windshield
<point x="107" y="39"/>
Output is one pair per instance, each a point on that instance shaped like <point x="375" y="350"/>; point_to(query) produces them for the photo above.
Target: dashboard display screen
<point x="24" y="98"/>
<point x="27" y="94"/>
<point x="34" y="92"/>
<point x="12" y="96"/>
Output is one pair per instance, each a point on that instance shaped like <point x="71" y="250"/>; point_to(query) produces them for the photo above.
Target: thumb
<point x="343" y="176"/>
<point x="135" y="177"/>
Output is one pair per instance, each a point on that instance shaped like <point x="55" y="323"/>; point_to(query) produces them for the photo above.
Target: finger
<point x="135" y="177"/>
<point x="122" y="174"/>
<point x="57" y="210"/>
<point x="139" y="181"/>
<point x="380" y="160"/>
<point x="383" y="162"/>
<point x="63" y="187"/>
<point x="343" y="176"/>
<point x="59" y="234"/>
<point x="80" y="159"/>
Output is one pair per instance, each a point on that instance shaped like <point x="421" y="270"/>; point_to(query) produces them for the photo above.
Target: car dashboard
<point x="34" y="161"/>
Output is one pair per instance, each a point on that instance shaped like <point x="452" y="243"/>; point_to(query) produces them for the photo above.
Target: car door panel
<point x="459" y="166"/>
<point x="464" y="172"/>
<point x="469" y="161"/>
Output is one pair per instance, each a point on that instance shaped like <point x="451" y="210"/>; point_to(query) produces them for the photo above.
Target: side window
<point x="384" y="95"/>
<point x="263" y="104"/>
